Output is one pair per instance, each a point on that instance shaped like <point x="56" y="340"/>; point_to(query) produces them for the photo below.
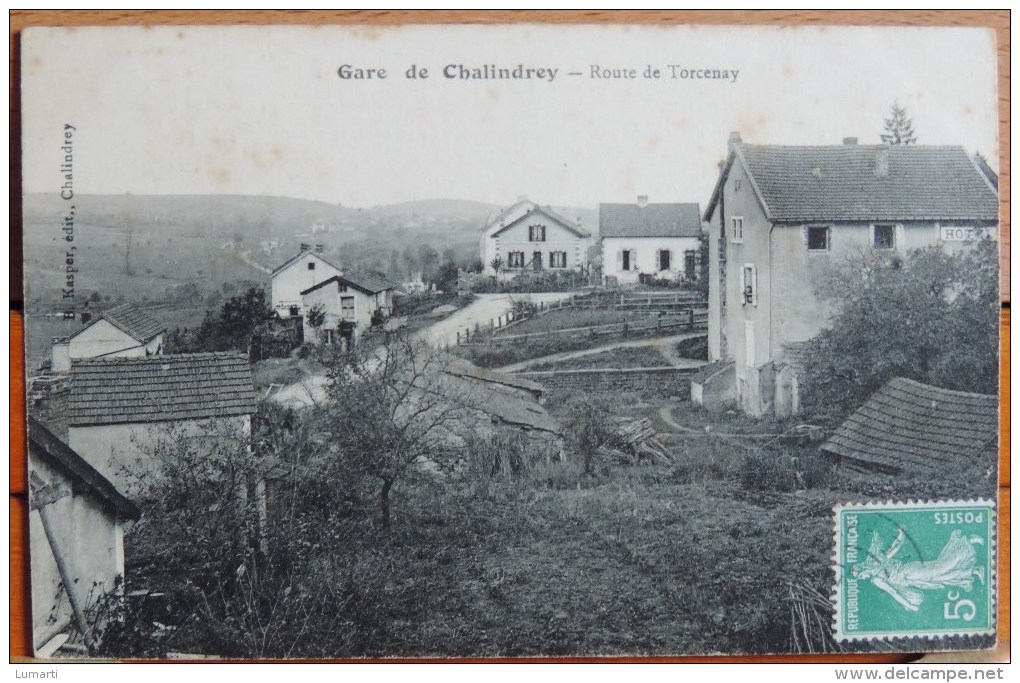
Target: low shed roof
<point x="915" y="427"/>
<point x="160" y="388"/>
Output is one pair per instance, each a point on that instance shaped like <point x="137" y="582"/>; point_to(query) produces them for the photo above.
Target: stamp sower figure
<point x="955" y="566"/>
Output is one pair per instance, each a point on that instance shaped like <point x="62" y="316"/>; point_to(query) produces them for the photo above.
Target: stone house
<point x="121" y="332"/>
<point x="780" y="216"/>
<point x="306" y="269"/>
<point x="120" y="410"/>
<point x="348" y="304"/>
<point x="528" y="237"/>
<point x="660" y="240"/>
<point x="78" y="516"/>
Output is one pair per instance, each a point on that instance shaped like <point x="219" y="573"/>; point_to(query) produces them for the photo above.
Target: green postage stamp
<point x="914" y="569"/>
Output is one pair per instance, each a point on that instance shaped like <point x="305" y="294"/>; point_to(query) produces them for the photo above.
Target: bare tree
<point x="392" y="409"/>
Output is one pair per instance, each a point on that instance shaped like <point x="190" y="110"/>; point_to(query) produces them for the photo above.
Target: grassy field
<point x="720" y="552"/>
<point x="569" y="318"/>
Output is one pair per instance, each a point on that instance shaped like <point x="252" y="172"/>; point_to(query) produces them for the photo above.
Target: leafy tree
<point x="316" y="318"/>
<point x="446" y="277"/>
<point x="899" y="128"/>
<point x="933" y="317"/>
<point x="236" y="323"/>
<point x="496" y="264"/>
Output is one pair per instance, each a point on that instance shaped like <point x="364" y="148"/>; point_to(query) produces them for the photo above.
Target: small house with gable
<point x="76" y="536"/>
<point x="780" y="216"/>
<point x="348" y="304"/>
<point x="306" y="269"/>
<point x="658" y="240"/>
<point x="527" y="237"/>
<point x="124" y="331"/>
<point x="119" y="410"/>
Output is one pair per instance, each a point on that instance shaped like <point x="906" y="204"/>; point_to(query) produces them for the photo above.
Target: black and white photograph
<point x="510" y="341"/>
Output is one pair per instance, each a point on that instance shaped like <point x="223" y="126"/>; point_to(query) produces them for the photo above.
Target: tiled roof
<point x="507" y="407"/>
<point x="137" y="324"/>
<point x="651" y="220"/>
<point x="160" y="388"/>
<point x="44" y="445"/>
<point x="915" y="427"/>
<point x="366" y="281"/>
<point x="292" y="259"/>
<point x="868" y="182"/>
<point x="524" y="208"/>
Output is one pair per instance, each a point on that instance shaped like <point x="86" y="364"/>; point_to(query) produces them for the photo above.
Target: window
<point x="626" y="260"/>
<point x="817" y="238"/>
<point x="690" y="265"/>
<point x="311" y="265"/>
<point x="515" y="259"/>
<point x="749" y="285"/>
<point x="295" y="311"/>
<point x="536" y="260"/>
<point x="664" y="259"/>
<point x="536" y="233"/>
<point x="738" y="228"/>
<point x="557" y="259"/>
<point x="347" y="308"/>
<point x="883" y="236"/>
<point x="736" y="185"/>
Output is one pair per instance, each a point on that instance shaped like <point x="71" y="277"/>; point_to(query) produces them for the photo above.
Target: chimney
<point x="304" y="247"/>
<point x="734" y="140"/>
<point x="849" y="141"/>
<point x="85" y="317"/>
<point x="318" y="248"/>
<point x="882" y="162"/>
<point x="642" y="200"/>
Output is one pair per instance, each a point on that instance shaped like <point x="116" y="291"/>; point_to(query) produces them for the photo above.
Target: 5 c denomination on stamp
<point x="914" y="569"/>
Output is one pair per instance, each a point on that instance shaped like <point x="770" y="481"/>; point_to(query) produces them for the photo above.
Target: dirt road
<point x="481" y="311"/>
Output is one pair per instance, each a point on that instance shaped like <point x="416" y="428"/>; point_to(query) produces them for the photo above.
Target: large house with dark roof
<point x="781" y="215"/>
<point x="659" y="240"/>
<point x="121" y="332"/>
<point x="907" y="426"/>
<point x="348" y="304"/>
<point x="119" y="410"/>
<point x="527" y="237"/>
<point x="307" y="268"/>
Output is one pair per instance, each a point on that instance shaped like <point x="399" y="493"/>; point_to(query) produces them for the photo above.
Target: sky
<point x="262" y="110"/>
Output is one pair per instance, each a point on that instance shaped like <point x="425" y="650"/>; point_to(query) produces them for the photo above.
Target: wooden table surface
<point x="997" y="20"/>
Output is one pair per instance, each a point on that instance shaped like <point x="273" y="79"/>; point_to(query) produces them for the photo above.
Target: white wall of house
<point x="340" y="302"/>
<point x="91" y="541"/>
<point x="122" y="452"/>
<point x="287" y="285"/>
<point x="102" y="339"/>
<point x="517" y="238"/>
<point x="645" y="257"/>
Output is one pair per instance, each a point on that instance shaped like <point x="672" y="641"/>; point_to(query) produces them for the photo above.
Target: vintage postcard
<point x="510" y="341"/>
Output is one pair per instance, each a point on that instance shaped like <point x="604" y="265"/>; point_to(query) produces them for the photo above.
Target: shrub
<point x="766" y="471"/>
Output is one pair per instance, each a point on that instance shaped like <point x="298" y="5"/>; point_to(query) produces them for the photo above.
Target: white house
<point x="121" y="332"/>
<point x="527" y="236"/>
<point x="660" y="240"/>
<point x="307" y="269"/>
<point x="347" y="303"/>
<point x="119" y="410"/>
<point x="78" y="516"/>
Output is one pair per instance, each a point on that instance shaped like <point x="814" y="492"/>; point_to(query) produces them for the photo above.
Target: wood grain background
<point x="997" y="20"/>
